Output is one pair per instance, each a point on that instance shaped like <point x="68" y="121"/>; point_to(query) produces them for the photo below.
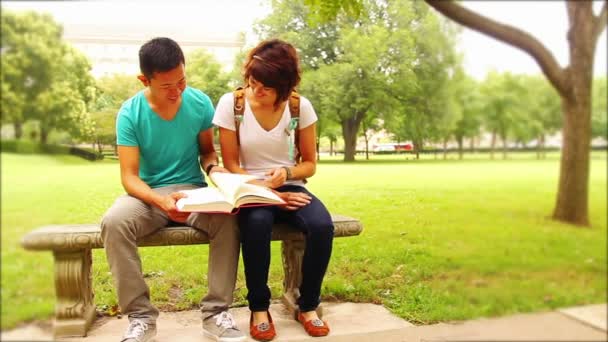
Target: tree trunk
<point x="504" y="146"/>
<point x="572" y="195"/>
<point x="540" y="153"/>
<point x="350" y="127"/>
<point x="460" y="142"/>
<point x="331" y="147"/>
<point x="573" y="189"/>
<point x="100" y="146"/>
<point x="366" y="147"/>
<point x="18" y="130"/>
<point x="44" y="134"/>
<point x="492" y="144"/>
<point x="417" y="148"/>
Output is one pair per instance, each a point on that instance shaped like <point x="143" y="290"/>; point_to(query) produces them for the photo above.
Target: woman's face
<point x="261" y="93"/>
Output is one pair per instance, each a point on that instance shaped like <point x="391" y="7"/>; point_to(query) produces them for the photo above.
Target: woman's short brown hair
<point x="275" y="64"/>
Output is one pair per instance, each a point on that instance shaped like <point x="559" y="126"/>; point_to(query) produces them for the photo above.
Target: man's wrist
<point x="288" y="172"/>
<point x="209" y="168"/>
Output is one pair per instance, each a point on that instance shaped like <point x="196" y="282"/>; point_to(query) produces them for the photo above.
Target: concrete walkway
<point x="364" y="322"/>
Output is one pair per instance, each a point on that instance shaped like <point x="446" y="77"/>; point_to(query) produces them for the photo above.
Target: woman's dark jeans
<point x="256" y="223"/>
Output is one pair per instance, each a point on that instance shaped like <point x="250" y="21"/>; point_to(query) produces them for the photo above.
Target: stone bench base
<point x="72" y="245"/>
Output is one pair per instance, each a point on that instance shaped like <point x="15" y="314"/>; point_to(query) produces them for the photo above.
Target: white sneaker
<point x="222" y="328"/>
<point x="139" y="331"/>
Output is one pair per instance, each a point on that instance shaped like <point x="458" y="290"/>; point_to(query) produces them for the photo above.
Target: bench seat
<point x="72" y="244"/>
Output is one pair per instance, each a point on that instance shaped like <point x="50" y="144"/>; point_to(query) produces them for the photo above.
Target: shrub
<point x="31" y="147"/>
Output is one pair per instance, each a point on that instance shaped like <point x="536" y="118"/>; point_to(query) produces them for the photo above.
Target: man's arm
<point x="136" y="187"/>
<point x="208" y="157"/>
<point x="129" y="176"/>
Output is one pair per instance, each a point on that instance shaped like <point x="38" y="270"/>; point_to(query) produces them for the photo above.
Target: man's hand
<point x="168" y="206"/>
<point x="294" y="200"/>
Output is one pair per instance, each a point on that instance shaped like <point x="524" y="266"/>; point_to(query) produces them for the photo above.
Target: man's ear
<point x="144" y="80"/>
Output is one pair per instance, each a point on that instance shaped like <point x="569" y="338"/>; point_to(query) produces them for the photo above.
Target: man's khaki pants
<point x="130" y="219"/>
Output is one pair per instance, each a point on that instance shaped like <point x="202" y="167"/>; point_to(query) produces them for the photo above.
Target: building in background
<point x="115" y="49"/>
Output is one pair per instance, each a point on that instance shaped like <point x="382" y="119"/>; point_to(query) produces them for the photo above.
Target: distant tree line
<point x="395" y="69"/>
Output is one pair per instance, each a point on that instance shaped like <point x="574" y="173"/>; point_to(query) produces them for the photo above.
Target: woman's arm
<point x="308" y="166"/>
<point x="230" y="151"/>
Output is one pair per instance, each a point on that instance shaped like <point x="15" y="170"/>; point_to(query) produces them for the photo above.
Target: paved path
<point x="365" y="322"/>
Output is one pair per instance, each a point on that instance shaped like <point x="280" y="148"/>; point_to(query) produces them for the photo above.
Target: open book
<point x="232" y="191"/>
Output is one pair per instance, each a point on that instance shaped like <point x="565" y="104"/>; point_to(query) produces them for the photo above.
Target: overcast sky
<point x="546" y="20"/>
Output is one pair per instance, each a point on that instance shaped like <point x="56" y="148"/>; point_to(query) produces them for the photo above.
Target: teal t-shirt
<point x="168" y="150"/>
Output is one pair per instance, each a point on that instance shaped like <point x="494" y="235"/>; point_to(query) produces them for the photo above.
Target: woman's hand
<point x="294" y="200"/>
<point x="276" y="177"/>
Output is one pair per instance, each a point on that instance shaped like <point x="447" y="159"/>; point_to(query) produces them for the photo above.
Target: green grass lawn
<point x="443" y="239"/>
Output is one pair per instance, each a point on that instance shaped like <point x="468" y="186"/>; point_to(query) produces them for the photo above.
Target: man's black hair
<point x="159" y="55"/>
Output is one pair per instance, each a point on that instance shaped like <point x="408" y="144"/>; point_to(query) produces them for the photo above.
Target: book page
<point x="229" y="183"/>
<point x="204" y="200"/>
<point x="251" y="194"/>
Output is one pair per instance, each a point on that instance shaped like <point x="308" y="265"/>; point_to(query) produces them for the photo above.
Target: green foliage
<point x="431" y="111"/>
<point x="12" y="102"/>
<point x="323" y="11"/>
<point x="372" y="67"/>
<point x="21" y="146"/>
<point x="317" y="44"/>
<point x="205" y="73"/>
<point x="236" y="74"/>
<point x="43" y="78"/>
<point x="539" y="110"/>
<point x="450" y="240"/>
<point x="112" y="91"/>
<point x="318" y="87"/>
<point x="501" y="94"/>
<point x="31" y="46"/>
<point x="33" y="147"/>
<point x="468" y="97"/>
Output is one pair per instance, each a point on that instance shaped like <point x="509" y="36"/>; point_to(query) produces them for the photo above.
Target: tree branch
<point x="600" y="21"/>
<point x="507" y="34"/>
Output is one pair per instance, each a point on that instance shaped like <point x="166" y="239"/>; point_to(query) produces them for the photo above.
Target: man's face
<point x="167" y="87"/>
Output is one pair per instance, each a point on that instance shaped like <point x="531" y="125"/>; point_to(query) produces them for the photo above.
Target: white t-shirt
<point x="261" y="150"/>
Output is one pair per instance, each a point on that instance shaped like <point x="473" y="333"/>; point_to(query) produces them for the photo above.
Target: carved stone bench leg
<point x="293" y="253"/>
<point x="75" y="310"/>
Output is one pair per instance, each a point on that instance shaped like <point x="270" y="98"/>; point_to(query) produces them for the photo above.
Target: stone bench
<point x="72" y="244"/>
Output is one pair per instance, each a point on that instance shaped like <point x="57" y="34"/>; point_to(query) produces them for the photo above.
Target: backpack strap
<point x="294" y="110"/>
<point x="239" y="109"/>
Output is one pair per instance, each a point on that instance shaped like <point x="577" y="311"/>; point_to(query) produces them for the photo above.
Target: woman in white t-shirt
<point x="266" y="147"/>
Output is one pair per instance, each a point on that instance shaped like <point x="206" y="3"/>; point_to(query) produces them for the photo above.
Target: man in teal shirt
<point x="164" y="137"/>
